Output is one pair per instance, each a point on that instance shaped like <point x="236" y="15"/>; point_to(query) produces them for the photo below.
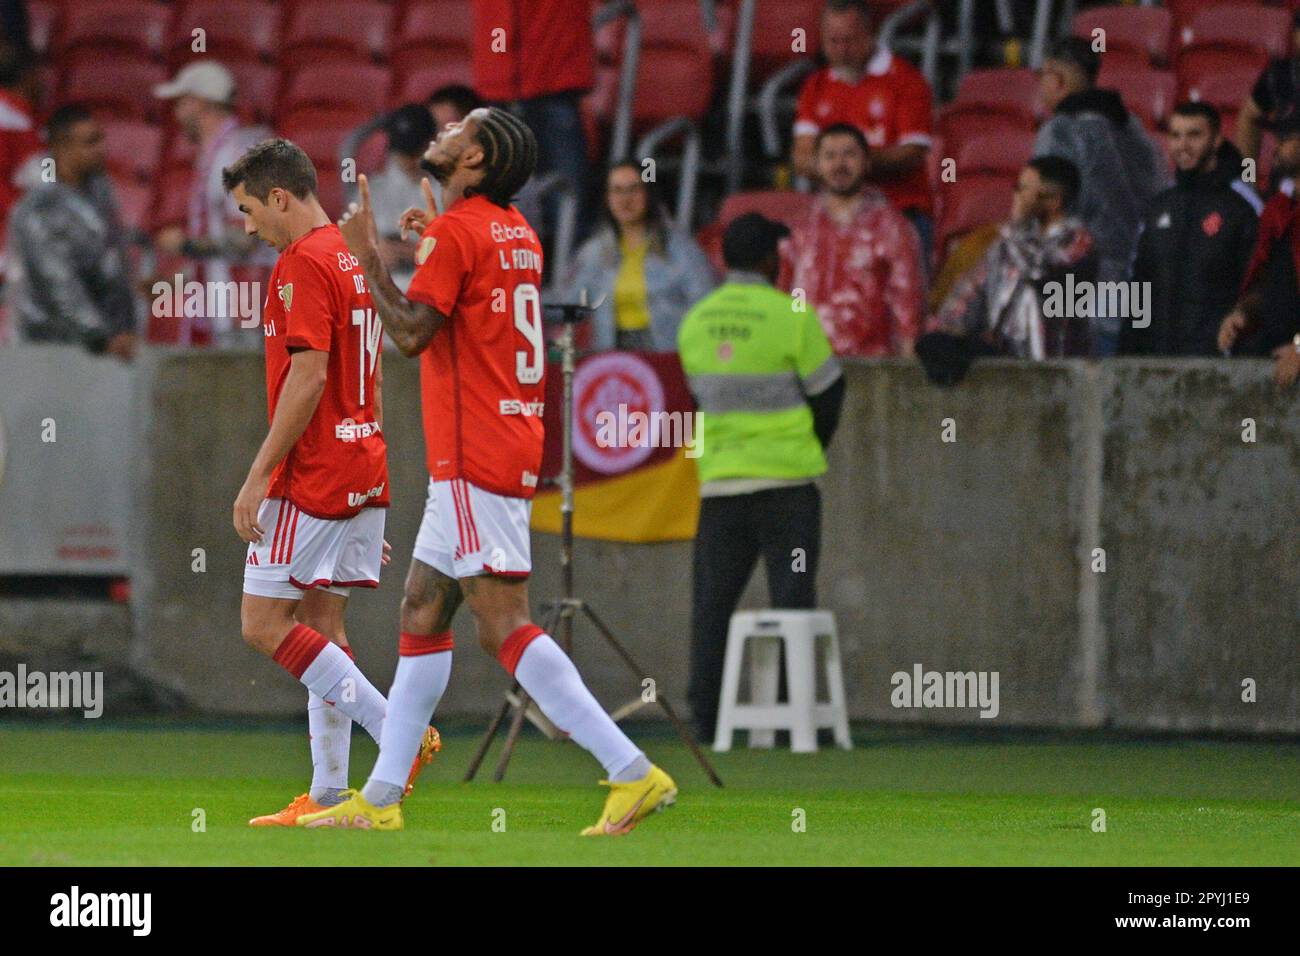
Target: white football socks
<point x="417" y="687"/>
<point x="333" y="677"/>
<point x="330" y="732"/>
<point x="550" y="678"/>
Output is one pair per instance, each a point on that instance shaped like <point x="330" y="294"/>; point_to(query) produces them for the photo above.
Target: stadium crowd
<point x="1109" y="195"/>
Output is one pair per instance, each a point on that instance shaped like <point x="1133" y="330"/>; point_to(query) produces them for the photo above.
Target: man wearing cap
<point x="1274" y="98"/>
<point x="769" y="390"/>
<point x="204" y="95"/>
<point x="397" y="188"/>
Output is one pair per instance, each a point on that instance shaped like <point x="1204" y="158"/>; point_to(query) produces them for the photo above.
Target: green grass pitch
<point x="126" y="795"/>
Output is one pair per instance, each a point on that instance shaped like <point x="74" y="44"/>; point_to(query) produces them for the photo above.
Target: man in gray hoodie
<point x="1119" y="167"/>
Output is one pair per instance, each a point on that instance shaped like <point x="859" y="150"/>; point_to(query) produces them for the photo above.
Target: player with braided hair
<point x="473" y="315"/>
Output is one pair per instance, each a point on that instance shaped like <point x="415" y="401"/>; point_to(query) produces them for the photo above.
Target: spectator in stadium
<point x="888" y="99"/>
<point x="1266" y="317"/>
<point x="537" y="57"/>
<point x="397" y="187"/>
<point x="19" y="141"/>
<point x="643" y="271"/>
<point x="204" y="106"/>
<point x="1120" y="168"/>
<point x="770" y="391"/>
<point x="1274" y="97"/>
<point x="1196" y="242"/>
<point x="451" y="104"/>
<point x="1002" y="301"/>
<point x="854" y="256"/>
<point x="70" y="275"/>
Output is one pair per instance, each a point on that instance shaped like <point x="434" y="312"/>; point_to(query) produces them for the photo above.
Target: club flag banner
<point x="635" y="439"/>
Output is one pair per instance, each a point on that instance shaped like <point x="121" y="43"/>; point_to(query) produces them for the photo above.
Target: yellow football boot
<point x="630" y="803"/>
<point x="355" y="813"/>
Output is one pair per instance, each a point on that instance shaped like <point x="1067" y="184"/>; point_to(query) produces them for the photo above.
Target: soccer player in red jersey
<point x="473" y="315"/>
<point x="312" y="508"/>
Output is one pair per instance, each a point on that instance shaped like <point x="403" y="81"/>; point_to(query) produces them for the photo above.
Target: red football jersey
<point x="319" y="300"/>
<point x="482" y="374"/>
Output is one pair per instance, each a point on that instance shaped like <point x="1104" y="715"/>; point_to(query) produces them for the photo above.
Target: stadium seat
<point x="1224" y="83"/>
<point x="783" y="205"/>
<point x="233" y="30"/>
<point x="171" y="197"/>
<point x="331" y="83"/>
<point x="319" y="130"/>
<point x="775" y="26"/>
<point x="1237" y="27"/>
<point x="134" y="148"/>
<point x="1002" y="152"/>
<point x="429" y="31"/>
<point x="1182" y="11"/>
<point x="988" y="100"/>
<point x="1151" y="94"/>
<point x="670" y="83"/>
<point x="329" y="189"/>
<point x="415" y="85"/>
<point x="360" y="27"/>
<point x="134" y="202"/>
<point x="137" y="27"/>
<point x="973" y="201"/>
<point x="122" y="86"/>
<point x="257" y="88"/>
<point x="1144" y="31"/>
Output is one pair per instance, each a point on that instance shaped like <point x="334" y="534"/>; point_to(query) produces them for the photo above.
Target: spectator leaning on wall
<point x="644" y="272"/>
<point x="1195" y="245"/>
<point x="1001" y="301"/>
<point x="1118" y="165"/>
<point x="884" y="96"/>
<point x="69" y="276"/>
<point x="1266" y="318"/>
<point x="769" y="392"/>
<point x="854" y="257"/>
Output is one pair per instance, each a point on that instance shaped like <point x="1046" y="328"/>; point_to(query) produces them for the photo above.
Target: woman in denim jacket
<point x="647" y="272"/>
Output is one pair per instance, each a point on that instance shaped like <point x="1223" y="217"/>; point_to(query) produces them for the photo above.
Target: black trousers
<point x="784" y="526"/>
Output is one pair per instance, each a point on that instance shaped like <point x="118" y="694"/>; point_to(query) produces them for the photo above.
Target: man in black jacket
<point x="1195" y="245"/>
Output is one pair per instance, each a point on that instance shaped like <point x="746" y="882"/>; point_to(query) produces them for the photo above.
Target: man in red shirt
<point x="473" y="314"/>
<point x="854" y="257"/>
<point x="865" y="85"/>
<point x="312" y="508"/>
<point x="19" y="140"/>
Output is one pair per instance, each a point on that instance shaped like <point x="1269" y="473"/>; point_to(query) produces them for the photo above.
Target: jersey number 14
<point x="369" y="329"/>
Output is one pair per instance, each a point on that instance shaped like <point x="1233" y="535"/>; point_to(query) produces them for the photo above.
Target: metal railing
<point x="688" y="174"/>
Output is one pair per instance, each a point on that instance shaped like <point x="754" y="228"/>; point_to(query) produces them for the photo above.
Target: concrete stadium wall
<point x="974" y="554"/>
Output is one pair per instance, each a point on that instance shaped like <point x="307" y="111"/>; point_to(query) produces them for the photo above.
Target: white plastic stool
<point x="803" y="715"/>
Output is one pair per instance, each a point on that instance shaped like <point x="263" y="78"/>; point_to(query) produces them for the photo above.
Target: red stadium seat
<point x="778" y="26"/>
<point x="430" y="31"/>
<point x="320" y="130"/>
<point x="134" y="148"/>
<point x="233" y="29"/>
<point x="414" y="86"/>
<point x="1144" y="31"/>
<point x="137" y="27"/>
<point x="1237" y="27"/>
<point x="971" y="202"/>
<point x="1014" y="91"/>
<point x="1151" y="94"/>
<point x="958" y="123"/>
<point x="171" y="197"/>
<point x="134" y="203"/>
<point x="331" y="83"/>
<point x="1224" y="83"/>
<point x="359" y="27"/>
<point x="1182" y="11"/>
<point x="122" y="86"/>
<point x="669" y="83"/>
<point x="783" y="205"/>
<point x="1003" y="152"/>
<point x="257" y="88"/>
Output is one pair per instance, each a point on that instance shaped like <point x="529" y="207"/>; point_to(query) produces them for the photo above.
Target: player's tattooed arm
<point x="411" y="325"/>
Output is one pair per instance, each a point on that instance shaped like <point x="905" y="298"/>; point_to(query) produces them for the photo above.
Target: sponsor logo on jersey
<point x="515" y="406"/>
<point x="425" y="249"/>
<point x="356" y="498"/>
<point x="286" y="296"/>
<point x="528" y="479"/>
<point x="349" y="431"/>
<point x="501" y="233"/>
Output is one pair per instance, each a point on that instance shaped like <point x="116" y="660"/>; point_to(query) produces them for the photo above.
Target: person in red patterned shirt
<point x="312" y="508"/>
<point x="472" y="313"/>
<point x="865" y="85"/>
<point x="854" y="257"/>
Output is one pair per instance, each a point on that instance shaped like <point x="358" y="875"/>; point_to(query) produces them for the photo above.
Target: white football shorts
<point x="467" y="531"/>
<point x="298" y="552"/>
